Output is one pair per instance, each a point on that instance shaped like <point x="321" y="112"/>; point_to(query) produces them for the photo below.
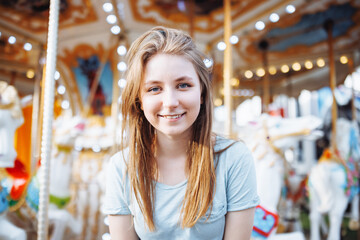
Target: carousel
<point x="286" y="81"/>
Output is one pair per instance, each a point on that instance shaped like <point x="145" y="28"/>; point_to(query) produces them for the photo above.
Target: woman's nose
<point x="170" y="99"/>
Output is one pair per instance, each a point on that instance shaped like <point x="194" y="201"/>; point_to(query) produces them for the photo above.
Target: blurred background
<point x="289" y="59"/>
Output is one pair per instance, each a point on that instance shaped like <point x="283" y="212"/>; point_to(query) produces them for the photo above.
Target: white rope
<point x="42" y="232"/>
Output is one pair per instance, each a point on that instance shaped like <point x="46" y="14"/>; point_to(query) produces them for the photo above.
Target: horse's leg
<point x="338" y="178"/>
<point x="354" y="219"/>
<point x="316" y="190"/>
<point x="336" y="215"/>
<point x="315" y="215"/>
<point x="8" y="231"/>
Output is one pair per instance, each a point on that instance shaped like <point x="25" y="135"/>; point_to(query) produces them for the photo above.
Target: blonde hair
<point x="139" y="135"/>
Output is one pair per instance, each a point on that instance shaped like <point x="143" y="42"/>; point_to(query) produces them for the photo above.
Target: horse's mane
<point x="343" y="111"/>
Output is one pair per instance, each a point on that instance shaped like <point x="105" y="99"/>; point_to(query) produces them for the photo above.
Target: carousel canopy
<point x="290" y="32"/>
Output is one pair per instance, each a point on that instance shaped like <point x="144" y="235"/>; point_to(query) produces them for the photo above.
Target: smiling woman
<point x="171" y="103"/>
<point x="174" y="179"/>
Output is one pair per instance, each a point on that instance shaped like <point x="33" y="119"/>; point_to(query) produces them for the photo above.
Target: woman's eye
<point x="154" y="89"/>
<point x="184" y="85"/>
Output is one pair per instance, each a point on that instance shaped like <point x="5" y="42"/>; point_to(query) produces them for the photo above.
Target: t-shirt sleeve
<point x="241" y="192"/>
<point x="117" y="190"/>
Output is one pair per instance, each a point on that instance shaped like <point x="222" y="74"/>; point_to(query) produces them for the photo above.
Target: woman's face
<point x="171" y="94"/>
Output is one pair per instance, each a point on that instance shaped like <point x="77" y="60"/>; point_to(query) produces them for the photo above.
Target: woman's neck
<point x="171" y="147"/>
<point x="171" y="157"/>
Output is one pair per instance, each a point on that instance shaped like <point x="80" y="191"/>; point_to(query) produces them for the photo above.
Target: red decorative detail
<point x="20" y="178"/>
<point x="276" y="217"/>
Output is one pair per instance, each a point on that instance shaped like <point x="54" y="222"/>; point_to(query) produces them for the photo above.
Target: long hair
<point x="139" y="135"/>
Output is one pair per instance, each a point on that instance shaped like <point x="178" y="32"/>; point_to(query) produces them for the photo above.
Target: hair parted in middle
<point x="139" y="135"/>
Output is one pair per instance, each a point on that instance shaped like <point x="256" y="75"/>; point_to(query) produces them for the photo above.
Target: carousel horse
<point x="12" y="180"/>
<point x="66" y="130"/>
<point x="94" y="146"/>
<point x="267" y="139"/>
<point x="333" y="182"/>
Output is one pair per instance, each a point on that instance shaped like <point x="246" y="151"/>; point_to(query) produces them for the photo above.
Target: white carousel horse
<point x="10" y="119"/>
<point x="272" y="136"/>
<point x="66" y="130"/>
<point x="94" y="146"/>
<point x="62" y="160"/>
<point x="333" y="182"/>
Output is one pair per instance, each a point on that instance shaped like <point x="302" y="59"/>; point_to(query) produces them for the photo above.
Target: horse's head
<point x="9" y="100"/>
<point x="67" y="129"/>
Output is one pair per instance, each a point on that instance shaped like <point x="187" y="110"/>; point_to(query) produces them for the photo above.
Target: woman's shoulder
<point x="119" y="159"/>
<point x="232" y="151"/>
<point x="229" y="145"/>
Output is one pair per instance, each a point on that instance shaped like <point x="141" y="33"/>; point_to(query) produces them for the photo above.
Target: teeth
<point x="171" y="116"/>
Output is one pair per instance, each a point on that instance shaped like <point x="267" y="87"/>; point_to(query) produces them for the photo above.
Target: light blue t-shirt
<point x="235" y="190"/>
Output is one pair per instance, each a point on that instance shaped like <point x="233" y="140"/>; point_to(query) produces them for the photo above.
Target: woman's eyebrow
<point x="182" y="78"/>
<point x="149" y="82"/>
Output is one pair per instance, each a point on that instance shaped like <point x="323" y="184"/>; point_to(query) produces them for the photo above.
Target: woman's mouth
<point x="172" y="116"/>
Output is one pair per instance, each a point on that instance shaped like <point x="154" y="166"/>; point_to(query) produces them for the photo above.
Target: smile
<point x="172" y="116"/>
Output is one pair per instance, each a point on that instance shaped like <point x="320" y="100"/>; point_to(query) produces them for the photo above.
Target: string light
<point x="259" y="25"/>
<point x="27" y="46"/>
<point x="65" y="104"/>
<point x="235" y="82"/>
<point x="274" y="17"/>
<point x="30" y="73"/>
<point x="308" y="64"/>
<point x="57" y="75"/>
<point x="234" y="39"/>
<point x="248" y="74"/>
<point x="208" y="62"/>
<point x="320" y="62"/>
<point x="121" y="50"/>
<point x="221" y="46"/>
<point x="111" y="19"/>
<point x="61" y="89"/>
<point x="285" y="68"/>
<point x="272" y="70"/>
<point x="122" y="83"/>
<point x="108" y="7"/>
<point x="12" y="40"/>
<point x="260" y="72"/>
<point x="290" y="9"/>
<point x="121" y="66"/>
<point x="344" y="59"/>
<point x="217" y="102"/>
<point x="296" y="66"/>
<point x="115" y="29"/>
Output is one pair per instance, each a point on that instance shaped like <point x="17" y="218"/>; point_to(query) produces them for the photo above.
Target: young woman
<point x="174" y="179"/>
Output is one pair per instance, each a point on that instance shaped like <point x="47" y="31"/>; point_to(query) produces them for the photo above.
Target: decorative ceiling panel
<point x="207" y="15"/>
<point x="33" y="15"/>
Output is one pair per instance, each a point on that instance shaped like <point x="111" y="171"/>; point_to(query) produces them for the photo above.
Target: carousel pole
<point x="35" y="118"/>
<point x="329" y="24"/>
<point x="191" y="18"/>
<point x="263" y="45"/>
<point x="351" y="70"/>
<point x="227" y="68"/>
<point x="47" y="121"/>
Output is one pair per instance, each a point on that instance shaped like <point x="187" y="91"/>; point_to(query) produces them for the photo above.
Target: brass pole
<point x="263" y="45"/>
<point x="36" y="119"/>
<point x="227" y="68"/>
<point x="191" y="19"/>
<point x="351" y="70"/>
<point x="329" y="24"/>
